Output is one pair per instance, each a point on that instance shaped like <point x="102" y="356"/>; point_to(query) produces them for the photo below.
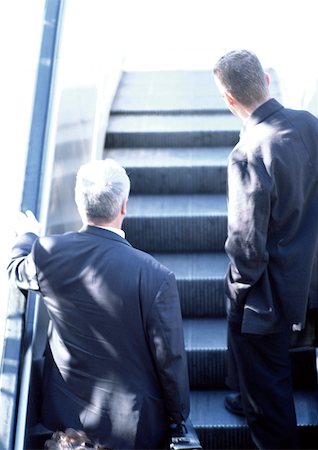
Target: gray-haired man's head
<point x="101" y="188"/>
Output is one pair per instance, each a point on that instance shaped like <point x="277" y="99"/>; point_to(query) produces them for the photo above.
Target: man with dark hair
<point x="272" y="244"/>
<point x="116" y="365"/>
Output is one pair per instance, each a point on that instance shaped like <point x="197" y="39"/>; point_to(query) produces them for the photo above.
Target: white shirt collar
<point x="116" y="230"/>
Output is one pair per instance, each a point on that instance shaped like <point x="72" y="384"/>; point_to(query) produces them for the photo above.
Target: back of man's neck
<point x="110" y="227"/>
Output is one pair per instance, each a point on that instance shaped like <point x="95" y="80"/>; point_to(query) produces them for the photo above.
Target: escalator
<point x="173" y="133"/>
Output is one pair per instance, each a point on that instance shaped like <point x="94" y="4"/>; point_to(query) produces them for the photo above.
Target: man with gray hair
<point x="272" y="245"/>
<point x="115" y="365"/>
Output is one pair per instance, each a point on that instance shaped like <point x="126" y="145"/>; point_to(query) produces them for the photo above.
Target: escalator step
<point x="162" y="130"/>
<point x="174" y="170"/>
<point x="217" y="428"/>
<point x="200" y="279"/>
<point x="177" y="223"/>
<point x="153" y="91"/>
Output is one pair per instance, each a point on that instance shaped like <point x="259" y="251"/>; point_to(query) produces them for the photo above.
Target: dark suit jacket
<point x="117" y="365"/>
<point x="273" y="219"/>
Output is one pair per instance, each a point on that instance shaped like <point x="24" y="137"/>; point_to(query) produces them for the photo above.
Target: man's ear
<point x="229" y="98"/>
<point x="124" y="207"/>
<point x="267" y="79"/>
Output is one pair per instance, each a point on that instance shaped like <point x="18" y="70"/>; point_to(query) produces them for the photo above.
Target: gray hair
<point x="101" y="187"/>
<point x="241" y="74"/>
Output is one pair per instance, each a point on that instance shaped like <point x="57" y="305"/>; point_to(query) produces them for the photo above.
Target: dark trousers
<point x="262" y="367"/>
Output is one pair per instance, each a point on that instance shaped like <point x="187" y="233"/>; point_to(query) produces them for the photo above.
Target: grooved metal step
<point x="200" y="279"/>
<point x="177" y="91"/>
<point x="219" y="429"/>
<point x="206" y="347"/>
<point x="176" y="223"/>
<point x="169" y="130"/>
<point x="163" y="123"/>
<point x="174" y="170"/>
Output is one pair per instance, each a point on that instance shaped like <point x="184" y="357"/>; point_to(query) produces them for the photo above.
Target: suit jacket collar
<point x="101" y="232"/>
<point x="268" y="108"/>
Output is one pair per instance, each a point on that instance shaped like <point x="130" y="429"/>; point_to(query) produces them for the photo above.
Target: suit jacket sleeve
<point x="22" y="266"/>
<point x="165" y="332"/>
<point x="249" y="204"/>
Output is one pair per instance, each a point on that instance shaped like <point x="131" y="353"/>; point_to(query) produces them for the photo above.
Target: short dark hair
<point x="242" y="75"/>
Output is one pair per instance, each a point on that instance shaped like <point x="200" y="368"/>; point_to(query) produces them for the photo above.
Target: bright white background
<point x="186" y="34"/>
